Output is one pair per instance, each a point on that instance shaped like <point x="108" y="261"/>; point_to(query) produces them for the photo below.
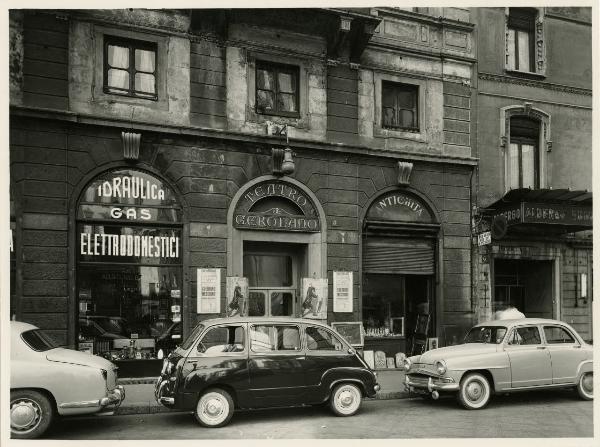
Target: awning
<point x="552" y="211"/>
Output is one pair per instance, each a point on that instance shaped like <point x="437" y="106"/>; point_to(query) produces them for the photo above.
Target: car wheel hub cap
<point x="588" y="383"/>
<point x="213" y="408"/>
<point x="24" y="415"/>
<point x="346" y="398"/>
<point x="474" y="391"/>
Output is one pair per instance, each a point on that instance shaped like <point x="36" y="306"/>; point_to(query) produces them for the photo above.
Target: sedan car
<point x="46" y="380"/>
<point x="505" y="356"/>
<point x="253" y="362"/>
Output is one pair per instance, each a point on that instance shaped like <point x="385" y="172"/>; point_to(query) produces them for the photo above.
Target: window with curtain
<point x="277" y="91"/>
<point x="521" y="39"/>
<point x="523" y="153"/>
<point x="399" y="106"/>
<point x="130" y="67"/>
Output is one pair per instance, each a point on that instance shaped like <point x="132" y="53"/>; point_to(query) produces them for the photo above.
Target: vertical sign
<point x="342" y="291"/>
<point x="209" y="291"/>
<point x="237" y="296"/>
<point x="314" y="298"/>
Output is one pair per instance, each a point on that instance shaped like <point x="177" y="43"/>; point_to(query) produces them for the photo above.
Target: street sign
<point x="484" y="238"/>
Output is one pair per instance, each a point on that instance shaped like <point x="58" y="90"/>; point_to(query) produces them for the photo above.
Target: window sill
<point x="380" y="132"/>
<point x="524" y="74"/>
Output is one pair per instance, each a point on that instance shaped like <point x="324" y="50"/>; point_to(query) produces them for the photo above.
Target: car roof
<point x="20" y="326"/>
<point x="261" y="320"/>
<point x="519" y="321"/>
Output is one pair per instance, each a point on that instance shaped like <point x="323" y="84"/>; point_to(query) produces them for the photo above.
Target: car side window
<point x="320" y="339"/>
<point x="556" y="335"/>
<point x="528" y="335"/>
<point x="274" y="337"/>
<point x="222" y="339"/>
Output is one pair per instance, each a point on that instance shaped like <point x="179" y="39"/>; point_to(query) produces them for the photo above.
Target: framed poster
<point x="342" y="291"/>
<point x="432" y="343"/>
<point x="237" y="296"/>
<point x="352" y="331"/>
<point x="209" y="291"/>
<point x="314" y="298"/>
<point x="398" y="326"/>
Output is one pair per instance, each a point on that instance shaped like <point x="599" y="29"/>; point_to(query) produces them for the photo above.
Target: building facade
<point x="171" y="166"/>
<point x="534" y="144"/>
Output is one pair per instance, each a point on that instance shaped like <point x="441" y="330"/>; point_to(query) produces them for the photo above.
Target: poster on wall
<point x="209" y="291"/>
<point x="237" y="296"/>
<point x="342" y="291"/>
<point x="314" y="298"/>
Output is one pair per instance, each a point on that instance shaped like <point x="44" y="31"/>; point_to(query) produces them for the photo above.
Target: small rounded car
<point x="46" y="381"/>
<point x="503" y="356"/>
<point x="253" y="362"/>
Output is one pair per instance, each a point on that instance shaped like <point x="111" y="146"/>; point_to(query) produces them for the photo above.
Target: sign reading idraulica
<point x="276" y="205"/>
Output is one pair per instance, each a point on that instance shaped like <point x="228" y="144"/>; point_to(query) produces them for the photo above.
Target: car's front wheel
<point x="585" y="386"/>
<point x="474" y="392"/>
<point x="345" y="399"/>
<point x="215" y="408"/>
<point x="31" y="414"/>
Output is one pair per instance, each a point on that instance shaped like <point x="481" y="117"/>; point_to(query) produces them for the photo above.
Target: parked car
<point x="505" y="356"/>
<point x="253" y="362"/>
<point x="46" y="380"/>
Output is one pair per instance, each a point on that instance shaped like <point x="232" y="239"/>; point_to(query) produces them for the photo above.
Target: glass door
<point x="272" y="302"/>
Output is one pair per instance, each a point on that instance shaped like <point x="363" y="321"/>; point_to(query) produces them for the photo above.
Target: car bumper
<point x="162" y="392"/>
<point x="430" y="384"/>
<point x="111" y="401"/>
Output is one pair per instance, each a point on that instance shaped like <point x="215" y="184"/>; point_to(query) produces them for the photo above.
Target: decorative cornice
<point x="534" y="83"/>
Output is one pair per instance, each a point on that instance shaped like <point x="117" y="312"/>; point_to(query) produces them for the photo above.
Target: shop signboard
<point x="237" y="296"/>
<point x="209" y="291"/>
<point x="547" y="213"/>
<point x="342" y="292"/>
<point x="314" y="298"/>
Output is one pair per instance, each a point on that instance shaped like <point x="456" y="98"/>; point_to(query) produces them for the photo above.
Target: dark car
<point x="235" y="363"/>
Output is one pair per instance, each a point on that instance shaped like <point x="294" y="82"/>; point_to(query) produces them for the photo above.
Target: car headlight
<point x="406" y="364"/>
<point x="440" y="367"/>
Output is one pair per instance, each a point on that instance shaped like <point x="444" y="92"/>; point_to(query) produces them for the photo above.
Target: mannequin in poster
<point x="237" y="303"/>
<point x="314" y="299"/>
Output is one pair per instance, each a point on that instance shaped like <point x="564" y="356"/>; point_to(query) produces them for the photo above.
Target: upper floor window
<point x="277" y="89"/>
<point x="523" y="153"/>
<point x="130" y="67"/>
<point x="521" y="39"/>
<point x="399" y="106"/>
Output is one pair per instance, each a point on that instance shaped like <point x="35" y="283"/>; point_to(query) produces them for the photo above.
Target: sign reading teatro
<point x="276" y="205"/>
<point x="110" y="213"/>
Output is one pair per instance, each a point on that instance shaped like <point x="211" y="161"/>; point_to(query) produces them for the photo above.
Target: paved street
<point x="557" y="414"/>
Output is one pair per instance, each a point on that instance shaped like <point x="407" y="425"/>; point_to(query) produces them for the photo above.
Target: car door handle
<point x="540" y="347"/>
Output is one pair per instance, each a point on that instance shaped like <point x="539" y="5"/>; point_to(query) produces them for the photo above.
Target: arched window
<point x="129" y="266"/>
<point x="523" y="153"/>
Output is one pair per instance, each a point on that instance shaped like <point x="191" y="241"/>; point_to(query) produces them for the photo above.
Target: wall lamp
<point x="283" y="160"/>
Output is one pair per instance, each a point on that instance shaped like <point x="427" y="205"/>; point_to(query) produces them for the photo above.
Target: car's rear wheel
<point x="345" y="399"/>
<point x="585" y="386"/>
<point x="474" y="392"/>
<point x="31" y="414"/>
<point x="215" y="408"/>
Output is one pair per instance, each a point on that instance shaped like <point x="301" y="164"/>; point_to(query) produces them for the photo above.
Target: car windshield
<point x="38" y="341"/>
<point x="187" y="344"/>
<point x="486" y="334"/>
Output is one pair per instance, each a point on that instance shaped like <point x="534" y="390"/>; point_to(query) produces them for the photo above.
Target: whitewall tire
<point x="215" y="408"/>
<point x="474" y="392"/>
<point x="585" y="386"/>
<point x="345" y="399"/>
<point x="31" y="414"/>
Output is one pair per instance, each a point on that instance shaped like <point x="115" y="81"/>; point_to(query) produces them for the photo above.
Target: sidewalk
<point x="139" y="392"/>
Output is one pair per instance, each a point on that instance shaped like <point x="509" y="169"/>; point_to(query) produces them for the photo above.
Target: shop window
<point x="523" y="153"/>
<point x="399" y="104"/>
<point x="525" y="49"/>
<point x="130" y="67"/>
<point x="277" y="89"/>
<point x="268" y="338"/>
<point x="129" y="267"/>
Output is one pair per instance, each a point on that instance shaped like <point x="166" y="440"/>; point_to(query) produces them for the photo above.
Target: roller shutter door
<point x="399" y="256"/>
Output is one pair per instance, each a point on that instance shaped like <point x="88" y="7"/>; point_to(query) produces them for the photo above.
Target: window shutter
<point x="399" y="256"/>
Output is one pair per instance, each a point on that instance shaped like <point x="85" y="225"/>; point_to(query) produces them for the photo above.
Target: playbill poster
<point x="342" y="291"/>
<point x="209" y="291"/>
<point x="237" y="296"/>
<point x="314" y="298"/>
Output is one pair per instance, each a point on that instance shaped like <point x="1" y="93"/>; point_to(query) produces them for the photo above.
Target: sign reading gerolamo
<point x="276" y="205"/>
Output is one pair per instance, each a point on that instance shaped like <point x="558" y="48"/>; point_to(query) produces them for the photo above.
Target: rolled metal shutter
<point x="402" y="256"/>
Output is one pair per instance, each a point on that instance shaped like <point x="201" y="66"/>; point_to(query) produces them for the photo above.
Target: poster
<point x="237" y="296"/>
<point x="209" y="291"/>
<point x="342" y="291"/>
<point x="314" y="298"/>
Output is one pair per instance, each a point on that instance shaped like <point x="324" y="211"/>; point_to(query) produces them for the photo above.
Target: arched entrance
<point x="399" y="271"/>
<point x="277" y="248"/>
<point x="129" y="267"/>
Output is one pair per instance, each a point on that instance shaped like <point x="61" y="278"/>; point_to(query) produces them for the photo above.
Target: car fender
<point x="584" y="367"/>
<point x="334" y="376"/>
<point x="497" y="364"/>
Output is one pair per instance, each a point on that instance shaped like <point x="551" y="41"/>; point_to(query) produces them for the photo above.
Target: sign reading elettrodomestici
<point x="276" y="205"/>
<point x="114" y="201"/>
